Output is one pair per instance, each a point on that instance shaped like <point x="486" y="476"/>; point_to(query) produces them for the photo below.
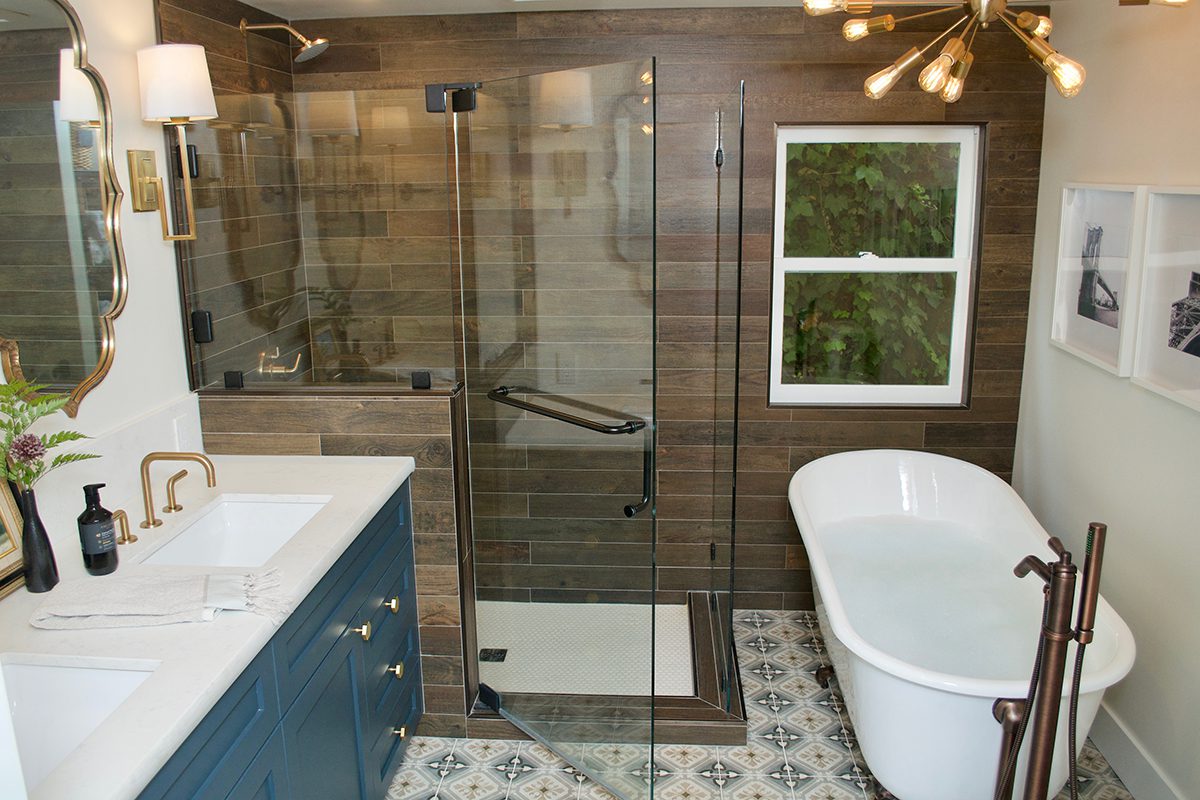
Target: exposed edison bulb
<point x="882" y="82"/>
<point x="1068" y="76"/>
<point x="816" y="8"/>
<point x="953" y="90"/>
<point x="856" y="29"/>
<point x="1037" y="25"/>
<point x="933" y="77"/>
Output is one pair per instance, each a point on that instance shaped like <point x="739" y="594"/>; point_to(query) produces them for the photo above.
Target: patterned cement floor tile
<point x="800" y="745"/>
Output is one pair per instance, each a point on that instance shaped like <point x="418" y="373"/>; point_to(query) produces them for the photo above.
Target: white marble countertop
<point x="197" y="662"/>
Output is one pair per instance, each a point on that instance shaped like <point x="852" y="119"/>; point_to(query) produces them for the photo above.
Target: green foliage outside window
<point x="893" y="199"/>
<point x="889" y="199"/>
<point x="874" y="328"/>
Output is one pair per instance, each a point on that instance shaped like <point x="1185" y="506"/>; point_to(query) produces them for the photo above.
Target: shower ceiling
<point x="321" y="9"/>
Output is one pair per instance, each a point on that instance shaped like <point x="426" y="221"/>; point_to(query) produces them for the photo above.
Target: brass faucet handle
<point x="121" y="519"/>
<point x="172" y="504"/>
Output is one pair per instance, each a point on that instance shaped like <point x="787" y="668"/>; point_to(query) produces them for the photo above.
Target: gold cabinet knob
<point x="402" y="731"/>
<point x="392" y="605"/>
<point x="397" y="670"/>
<point x="364" y="631"/>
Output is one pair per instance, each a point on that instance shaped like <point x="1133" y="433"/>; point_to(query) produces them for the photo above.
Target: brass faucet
<point x="147" y="493"/>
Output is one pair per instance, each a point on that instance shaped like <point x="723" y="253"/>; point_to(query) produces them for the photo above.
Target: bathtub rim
<point x="1093" y="680"/>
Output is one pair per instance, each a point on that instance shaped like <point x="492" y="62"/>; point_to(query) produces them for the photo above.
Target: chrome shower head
<point x="309" y="49"/>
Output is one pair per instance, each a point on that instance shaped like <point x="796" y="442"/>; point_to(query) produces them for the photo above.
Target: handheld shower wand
<point x="1089" y="599"/>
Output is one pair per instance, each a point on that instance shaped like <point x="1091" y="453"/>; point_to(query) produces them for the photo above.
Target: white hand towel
<point x="146" y="600"/>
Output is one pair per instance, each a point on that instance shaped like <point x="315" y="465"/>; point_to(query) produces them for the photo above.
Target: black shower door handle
<point x="503" y="394"/>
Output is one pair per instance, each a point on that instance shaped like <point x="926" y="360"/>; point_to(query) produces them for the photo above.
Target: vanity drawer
<point x="213" y="758"/>
<point x="386" y="749"/>
<point x="396" y="588"/>
<point x="317" y="624"/>
<point x="384" y="689"/>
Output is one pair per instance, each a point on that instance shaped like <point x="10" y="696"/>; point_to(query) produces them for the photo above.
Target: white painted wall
<point x="144" y="404"/>
<point x="1091" y="446"/>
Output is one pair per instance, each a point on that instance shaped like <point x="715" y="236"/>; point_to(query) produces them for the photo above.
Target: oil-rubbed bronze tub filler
<point x="1049" y="668"/>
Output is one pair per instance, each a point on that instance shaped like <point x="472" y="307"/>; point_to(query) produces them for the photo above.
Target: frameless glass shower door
<point x="554" y="176"/>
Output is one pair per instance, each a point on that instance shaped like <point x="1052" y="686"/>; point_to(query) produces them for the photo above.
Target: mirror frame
<point x="12" y="571"/>
<point x="10" y="356"/>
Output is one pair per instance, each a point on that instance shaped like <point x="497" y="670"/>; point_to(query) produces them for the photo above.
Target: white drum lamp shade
<point x="76" y="95"/>
<point x="563" y="99"/>
<point x="175" y="83"/>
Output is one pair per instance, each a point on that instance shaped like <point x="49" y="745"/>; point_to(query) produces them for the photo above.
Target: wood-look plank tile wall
<point x="39" y="299"/>
<point x="797" y="69"/>
<point x="246" y="266"/>
<point x="414" y="426"/>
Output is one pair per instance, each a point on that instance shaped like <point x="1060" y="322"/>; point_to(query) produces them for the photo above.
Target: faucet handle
<point x="172" y="504"/>
<point x="121" y="519"/>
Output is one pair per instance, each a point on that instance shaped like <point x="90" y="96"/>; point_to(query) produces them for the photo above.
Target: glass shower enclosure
<point x="565" y="247"/>
<point x="555" y="229"/>
<point x="555" y="188"/>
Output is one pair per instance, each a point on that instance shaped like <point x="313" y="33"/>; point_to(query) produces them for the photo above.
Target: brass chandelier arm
<point x="936" y="11"/>
<point x="945" y="33"/>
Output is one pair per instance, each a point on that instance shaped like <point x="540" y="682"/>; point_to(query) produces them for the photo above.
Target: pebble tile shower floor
<point x="800" y="745"/>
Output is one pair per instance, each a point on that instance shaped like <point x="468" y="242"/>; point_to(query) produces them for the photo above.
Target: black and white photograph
<point x="1098" y="300"/>
<point x="1185" y="320"/>
<point x="1167" y="361"/>
<point x="1095" y="302"/>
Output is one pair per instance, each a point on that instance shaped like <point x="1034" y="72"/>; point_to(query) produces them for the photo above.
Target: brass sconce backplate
<point x="142" y="172"/>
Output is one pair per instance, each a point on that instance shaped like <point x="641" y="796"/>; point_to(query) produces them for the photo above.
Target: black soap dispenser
<point x="97" y="534"/>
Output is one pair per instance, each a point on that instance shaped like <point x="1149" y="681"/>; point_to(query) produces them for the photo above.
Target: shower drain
<point x="493" y="654"/>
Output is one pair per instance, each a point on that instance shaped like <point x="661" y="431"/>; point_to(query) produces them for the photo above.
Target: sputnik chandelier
<point x="946" y="74"/>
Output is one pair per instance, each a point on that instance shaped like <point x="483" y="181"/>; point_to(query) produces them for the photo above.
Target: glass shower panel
<point x="727" y="259"/>
<point x="322" y="253"/>
<point x="555" y="185"/>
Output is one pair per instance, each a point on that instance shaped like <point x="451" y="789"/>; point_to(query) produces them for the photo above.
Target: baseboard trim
<point x="1139" y="772"/>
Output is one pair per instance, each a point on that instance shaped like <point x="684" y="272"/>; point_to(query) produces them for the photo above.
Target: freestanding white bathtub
<point x="912" y="560"/>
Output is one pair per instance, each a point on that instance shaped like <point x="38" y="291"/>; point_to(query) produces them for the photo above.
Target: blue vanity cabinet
<point x="266" y="778"/>
<point x="323" y="730"/>
<point x="212" y="759"/>
<point x="320" y="711"/>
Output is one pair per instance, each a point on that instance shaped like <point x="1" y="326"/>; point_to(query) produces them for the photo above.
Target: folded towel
<point x="146" y="600"/>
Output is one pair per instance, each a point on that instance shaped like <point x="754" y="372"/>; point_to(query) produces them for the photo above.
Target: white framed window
<point x="874" y="264"/>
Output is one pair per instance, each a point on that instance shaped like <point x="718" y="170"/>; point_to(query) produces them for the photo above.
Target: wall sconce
<point x="176" y="90"/>
<point x="563" y="99"/>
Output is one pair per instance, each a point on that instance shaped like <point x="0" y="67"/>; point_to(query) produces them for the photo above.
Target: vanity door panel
<point x="266" y="778"/>
<point x="323" y="730"/>
<point x="221" y="748"/>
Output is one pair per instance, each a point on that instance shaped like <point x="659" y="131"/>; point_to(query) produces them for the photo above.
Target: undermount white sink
<point x="48" y="709"/>
<point x="239" y="530"/>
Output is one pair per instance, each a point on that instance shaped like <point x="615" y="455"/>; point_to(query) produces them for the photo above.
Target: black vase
<point x="41" y="571"/>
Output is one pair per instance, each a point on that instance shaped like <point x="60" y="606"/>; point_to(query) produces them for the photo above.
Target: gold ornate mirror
<point x="10" y="541"/>
<point x="62" y="270"/>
